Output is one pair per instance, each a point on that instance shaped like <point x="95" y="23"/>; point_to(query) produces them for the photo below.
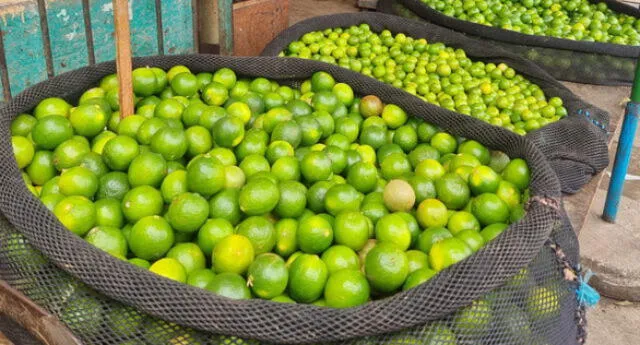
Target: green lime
<point x="293" y="199"/>
<point x="230" y="285"/>
<point x="278" y="149"/>
<point x="340" y="257"/>
<point x="432" y="213"/>
<point x="430" y="169"/>
<point x="171" y="143"/>
<point x="226" y="77"/>
<point x="98" y="142"/>
<point x="393" y="229"/>
<point x="286" y="169"/>
<point x="422" y="152"/>
<point x="351" y="229"/>
<point x="260" y="232"/>
<point x="88" y="120"/>
<point x="363" y="176"/>
<point x="51" y="187"/>
<point x="109" y="213"/>
<point x="543" y="302"/>
<point x="108" y="239"/>
<point x="228" y="132"/>
<point x="499" y="161"/>
<point x="286" y="237"/>
<point x="119" y="152"/>
<point x="508" y="193"/>
<point x="394" y="116"/>
<point x="310" y="128"/>
<point x="483" y="180"/>
<point x="307" y="278"/>
<point x="472" y="238"/>
<point x="267" y="276"/>
<point x="430" y="236"/>
<point x="169" y="268"/>
<point x="490" y="232"/>
<point x="489" y="208"/>
<point x="314" y="234"/>
<point x="423" y="188"/>
<point x="322" y="81"/>
<point x="418" y="277"/>
<point x="141" y="202"/>
<point x="417" y="260"/>
<point x="344" y="93"/>
<point x="211" y="232"/>
<point x="225" y="205"/>
<point x="452" y="191"/>
<point x="52" y="106"/>
<point x="517" y="172"/>
<point x="184" y="84"/>
<point x="283" y="299"/>
<point x="215" y="94"/>
<point x="41" y="168"/>
<point x="144" y="81"/>
<point x="259" y="196"/>
<point x="140" y="263"/>
<point x="189" y="255"/>
<point x="240" y="111"/>
<point x="78" y="181"/>
<point x="22" y="125"/>
<point x="50" y="201"/>
<point x="51" y="131"/>
<point x="253" y="164"/>
<point x="232" y="254"/>
<point x="444" y="143"/>
<point x="386" y="267"/>
<point x="342" y="197"/>
<point x="288" y="131"/>
<point x="447" y="252"/>
<point x="200" y="277"/>
<point x="346" y="288"/>
<point x="199" y="140"/>
<point x="76" y="213"/>
<point x="399" y="196"/>
<point x="113" y="185"/>
<point x="23" y="151"/>
<point x="95" y="164"/>
<point x="461" y="221"/>
<point x="187" y="212"/>
<point x="205" y="175"/>
<point x="475" y="149"/>
<point x="147" y="169"/>
<point x="173" y="185"/>
<point x="151" y="238"/>
<point x="395" y="165"/>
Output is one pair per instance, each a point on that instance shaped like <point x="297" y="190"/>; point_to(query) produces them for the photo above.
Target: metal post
<point x="623" y="153"/>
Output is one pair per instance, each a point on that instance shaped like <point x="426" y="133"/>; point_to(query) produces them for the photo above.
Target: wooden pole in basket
<point x="123" y="56"/>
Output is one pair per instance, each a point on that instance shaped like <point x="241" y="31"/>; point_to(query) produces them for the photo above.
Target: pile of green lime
<point x="582" y="20"/>
<point x="252" y="189"/>
<point x="438" y="74"/>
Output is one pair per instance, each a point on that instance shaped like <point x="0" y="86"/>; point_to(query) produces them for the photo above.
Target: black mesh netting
<point x="575" y="146"/>
<point x="521" y="293"/>
<point x="569" y="60"/>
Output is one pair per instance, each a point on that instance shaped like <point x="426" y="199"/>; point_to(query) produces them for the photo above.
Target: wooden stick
<point x="123" y="58"/>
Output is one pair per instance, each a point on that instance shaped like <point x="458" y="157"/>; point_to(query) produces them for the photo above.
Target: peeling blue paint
<point x="67" y="35"/>
<point x="177" y="27"/>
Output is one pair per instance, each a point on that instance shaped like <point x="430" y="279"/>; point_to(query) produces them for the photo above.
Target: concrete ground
<point x="608" y="249"/>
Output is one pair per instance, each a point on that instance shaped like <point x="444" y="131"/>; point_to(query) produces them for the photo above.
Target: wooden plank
<point x="123" y="56"/>
<point x="256" y="23"/>
<point x="67" y="35"/>
<point x="22" y="38"/>
<point x="144" y="35"/>
<point x="225" y="26"/>
<point x="177" y="27"/>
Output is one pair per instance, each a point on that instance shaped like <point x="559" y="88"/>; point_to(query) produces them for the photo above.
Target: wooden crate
<point x="256" y="23"/>
<point x="43" y="38"/>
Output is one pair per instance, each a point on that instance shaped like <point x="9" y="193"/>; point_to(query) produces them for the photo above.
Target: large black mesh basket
<point x="523" y="282"/>
<point x="569" y="60"/>
<point x="574" y="146"/>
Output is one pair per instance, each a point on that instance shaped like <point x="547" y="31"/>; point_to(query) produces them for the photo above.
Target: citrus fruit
<point x="340" y="257"/>
<point x="472" y="238"/>
<point x="198" y="140"/>
<point x="399" y="196"/>
<point x="293" y="199"/>
<point x="113" y="185"/>
<point x="230" y="285"/>
<point x="417" y="260"/>
<point x="316" y="166"/>
<point x="144" y="81"/>
<point x="432" y="213"/>
<point x="488" y="208"/>
<point x="461" y="221"/>
<point x="147" y="169"/>
<point x="88" y="120"/>
<point x="205" y="175"/>
<point x="184" y="84"/>
<point x="314" y="234"/>
<point x="119" y="152"/>
<point x="98" y="142"/>
<point x="228" y="131"/>
<point x="94" y="163"/>
<point x="517" y="172"/>
<point x="371" y="105"/>
<point x="260" y="233"/>
<point x="151" y="238"/>
<point x="173" y="185"/>
<point x="452" y="191"/>
<point x="22" y="125"/>
<point x="78" y="181"/>
<point x="225" y="205"/>
<point x="475" y="149"/>
<point x="232" y="254"/>
<point x="430" y="169"/>
<point x="386" y="267"/>
<point x="447" y="252"/>
<point x="430" y="236"/>
<point x="543" y="302"/>
<point x="363" y="176"/>
<point x="499" y="160"/>
<point x="393" y="229"/>
<point x="108" y="239"/>
<point x="171" y="143"/>
<point x="51" y="131"/>
<point x="200" y="277"/>
<point x="215" y="94"/>
<point x="51" y="106"/>
<point x="492" y="231"/>
<point x="267" y="276"/>
<point x="169" y="268"/>
<point x="140" y="263"/>
<point x="258" y="196"/>
<point x="483" y="180"/>
<point x="109" y="213"/>
<point x="141" y="202"/>
<point x="418" y="277"/>
<point x="351" y="229"/>
<point x="188" y="255"/>
<point x="286" y="169"/>
<point x="50" y="201"/>
<point x="342" y="197"/>
<point x="187" y="212"/>
<point x="23" y="151"/>
<point x="307" y="278"/>
<point x="346" y="288"/>
<point x="211" y="232"/>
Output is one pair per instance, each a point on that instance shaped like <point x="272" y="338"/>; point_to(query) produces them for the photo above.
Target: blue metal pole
<point x="623" y="156"/>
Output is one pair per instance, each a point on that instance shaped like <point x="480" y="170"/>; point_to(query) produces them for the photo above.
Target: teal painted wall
<point x="24" y="42"/>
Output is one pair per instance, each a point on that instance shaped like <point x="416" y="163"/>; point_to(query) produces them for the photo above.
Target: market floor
<point x="611" y="322"/>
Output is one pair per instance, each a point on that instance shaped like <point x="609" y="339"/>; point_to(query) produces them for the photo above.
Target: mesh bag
<point x="574" y="146"/>
<point x="519" y="289"/>
<point x="569" y="60"/>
